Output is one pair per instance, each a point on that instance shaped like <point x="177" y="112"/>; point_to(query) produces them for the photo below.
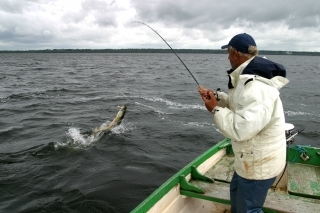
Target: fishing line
<point x="170" y="48"/>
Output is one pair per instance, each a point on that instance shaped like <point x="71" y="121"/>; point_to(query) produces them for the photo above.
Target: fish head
<point x="121" y="113"/>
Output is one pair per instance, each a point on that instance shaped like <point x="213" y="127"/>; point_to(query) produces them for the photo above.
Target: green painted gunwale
<point x="312" y="152"/>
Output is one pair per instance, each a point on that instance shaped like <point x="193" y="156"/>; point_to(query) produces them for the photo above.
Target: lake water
<point x="47" y="100"/>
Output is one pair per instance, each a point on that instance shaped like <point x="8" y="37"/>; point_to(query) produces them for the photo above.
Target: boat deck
<point x="301" y="186"/>
<point x="304" y="180"/>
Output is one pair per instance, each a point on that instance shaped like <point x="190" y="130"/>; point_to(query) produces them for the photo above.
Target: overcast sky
<point x="292" y="25"/>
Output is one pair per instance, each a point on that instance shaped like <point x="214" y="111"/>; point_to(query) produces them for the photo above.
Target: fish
<point x="115" y="122"/>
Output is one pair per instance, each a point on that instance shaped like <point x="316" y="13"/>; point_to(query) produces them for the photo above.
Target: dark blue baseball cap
<point x="241" y="42"/>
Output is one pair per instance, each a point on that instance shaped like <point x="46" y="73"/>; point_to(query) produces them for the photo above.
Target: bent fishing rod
<point x="170" y="48"/>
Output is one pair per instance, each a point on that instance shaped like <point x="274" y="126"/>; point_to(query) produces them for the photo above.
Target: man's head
<point x="240" y="48"/>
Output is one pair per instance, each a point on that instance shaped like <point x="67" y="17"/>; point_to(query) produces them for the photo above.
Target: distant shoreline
<point x="192" y="51"/>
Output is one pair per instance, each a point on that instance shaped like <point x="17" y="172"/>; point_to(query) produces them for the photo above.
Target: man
<point x="252" y="116"/>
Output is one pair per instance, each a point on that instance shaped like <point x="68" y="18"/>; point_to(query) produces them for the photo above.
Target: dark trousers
<point x="248" y="196"/>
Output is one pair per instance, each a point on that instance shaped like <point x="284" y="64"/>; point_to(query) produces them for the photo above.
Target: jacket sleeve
<point x="252" y="113"/>
<point x="223" y="102"/>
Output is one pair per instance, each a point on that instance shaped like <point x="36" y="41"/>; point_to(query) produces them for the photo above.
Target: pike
<point x="116" y="121"/>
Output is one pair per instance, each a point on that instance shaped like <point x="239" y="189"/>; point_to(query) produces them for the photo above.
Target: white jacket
<point x="252" y="116"/>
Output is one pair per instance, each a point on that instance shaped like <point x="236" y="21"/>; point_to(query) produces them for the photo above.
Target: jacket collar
<point x="234" y="74"/>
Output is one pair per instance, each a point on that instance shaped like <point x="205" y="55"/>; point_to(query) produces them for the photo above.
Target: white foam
<point x="174" y="105"/>
<point x="76" y="140"/>
<point x="292" y="113"/>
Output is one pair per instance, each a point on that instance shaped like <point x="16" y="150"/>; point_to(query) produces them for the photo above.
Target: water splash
<point x="78" y="140"/>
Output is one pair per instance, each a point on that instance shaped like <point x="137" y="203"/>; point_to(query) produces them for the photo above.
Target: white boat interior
<point x="195" y="195"/>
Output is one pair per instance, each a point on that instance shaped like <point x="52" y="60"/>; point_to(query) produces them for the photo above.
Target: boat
<point x="203" y="184"/>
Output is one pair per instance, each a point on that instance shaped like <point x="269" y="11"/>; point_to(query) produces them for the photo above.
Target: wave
<point x="46" y="94"/>
<point x="292" y="113"/>
<point x="174" y="105"/>
<point x="27" y="95"/>
<point x="197" y="124"/>
<point x="30" y="95"/>
<point x="153" y="109"/>
<point x="171" y="104"/>
<point x="22" y="155"/>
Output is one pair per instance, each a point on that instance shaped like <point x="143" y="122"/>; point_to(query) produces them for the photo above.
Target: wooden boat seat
<point x="304" y="180"/>
<point x="219" y="192"/>
<point x="223" y="170"/>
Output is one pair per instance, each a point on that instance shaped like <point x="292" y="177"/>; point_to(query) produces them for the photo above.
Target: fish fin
<point x="95" y="131"/>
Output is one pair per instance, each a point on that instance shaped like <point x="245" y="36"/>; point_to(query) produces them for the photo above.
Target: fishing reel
<point x="216" y="95"/>
<point x="291" y="132"/>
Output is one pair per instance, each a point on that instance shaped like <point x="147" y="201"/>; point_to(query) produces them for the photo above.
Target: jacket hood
<point x="264" y="68"/>
<point x="277" y="82"/>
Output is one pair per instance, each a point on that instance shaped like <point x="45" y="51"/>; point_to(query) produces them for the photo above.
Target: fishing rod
<point x="170" y="48"/>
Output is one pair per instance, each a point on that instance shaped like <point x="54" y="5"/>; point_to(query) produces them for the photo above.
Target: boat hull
<point x="203" y="185"/>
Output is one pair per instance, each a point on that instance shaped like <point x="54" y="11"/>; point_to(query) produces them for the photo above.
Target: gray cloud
<point x="13" y="6"/>
<point x="286" y="24"/>
<point x="295" y="14"/>
<point x="103" y="13"/>
<point x="273" y="19"/>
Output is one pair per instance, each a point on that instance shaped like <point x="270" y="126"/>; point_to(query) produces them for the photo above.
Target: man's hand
<point x="208" y="98"/>
<point x="203" y="92"/>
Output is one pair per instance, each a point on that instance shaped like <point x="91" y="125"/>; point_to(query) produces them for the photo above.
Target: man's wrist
<point x="215" y="109"/>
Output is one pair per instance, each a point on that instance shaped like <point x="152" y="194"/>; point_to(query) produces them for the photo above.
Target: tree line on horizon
<point x="133" y="50"/>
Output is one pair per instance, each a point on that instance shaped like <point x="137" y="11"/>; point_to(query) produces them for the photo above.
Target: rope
<point x="300" y="149"/>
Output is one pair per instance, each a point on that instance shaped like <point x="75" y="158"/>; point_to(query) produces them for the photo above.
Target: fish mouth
<point x="122" y="108"/>
<point x="122" y="112"/>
